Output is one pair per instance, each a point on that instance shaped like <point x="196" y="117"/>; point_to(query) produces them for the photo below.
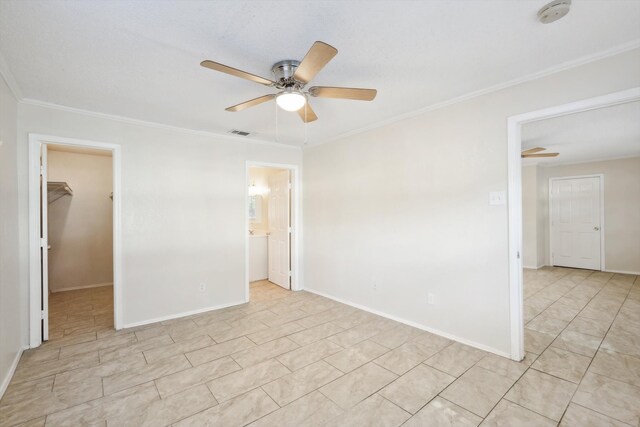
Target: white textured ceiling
<point x="140" y="59"/>
<point x="605" y="133"/>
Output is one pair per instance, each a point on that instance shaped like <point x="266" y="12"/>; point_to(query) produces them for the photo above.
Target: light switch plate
<point x="497" y="198"/>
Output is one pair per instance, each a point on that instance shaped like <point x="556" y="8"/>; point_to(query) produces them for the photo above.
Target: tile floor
<point x="298" y="359"/>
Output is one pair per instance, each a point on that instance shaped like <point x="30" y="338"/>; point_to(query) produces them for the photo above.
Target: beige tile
<point x="417" y="387"/>
<point x="48" y="368"/>
<point x="535" y="342"/>
<point x="238" y="331"/>
<point x="353" y="357"/>
<point x="124" y="380"/>
<point x="268" y="350"/>
<point x="361" y="332"/>
<point x="509" y="414"/>
<point x="352" y="388"/>
<point x="371" y="412"/>
<point x="139" y="347"/>
<point x="610" y="397"/>
<point x="315" y="333"/>
<point x="547" y="325"/>
<point x="200" y="374"/>
<point x="95" y="346"/>
<point x="405" y="357"/>
<point x="618" y="366"/>
<point x="562" y="364"/>
<point x="218" y="351"/>
<point x="578" y="416"/>
<point x="542" y="393"/>
<point x="622" y="342"/>
<point x="39" y="355"/>
<point x="573" y="341"/>
<point x="477" y="390"/>
<point x="455" y="359"/>
<point x="505" y="367"/>
<point x="169" y="410"/>
<point x="292" y="386"/>
<point x="240" y="411"/>
<point x="37" y="422"/>
<point x="274" y="333"/>
<point x="306" y="355"/>
<point x="433" y="342"/>
<point x="312" y="410"/>
<point x="396" y="336"/>
<point x="240" y="382"/>
<point x="129" y="401"/>
<point x="442" y="413"/>
<point x="192" y="344"/>
<point x="585" y="325"/>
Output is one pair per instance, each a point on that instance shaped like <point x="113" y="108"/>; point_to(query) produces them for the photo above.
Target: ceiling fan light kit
<point x="291" y="77"/>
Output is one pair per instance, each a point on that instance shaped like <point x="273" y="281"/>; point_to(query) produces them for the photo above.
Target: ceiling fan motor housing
<point x="283" y="72"/>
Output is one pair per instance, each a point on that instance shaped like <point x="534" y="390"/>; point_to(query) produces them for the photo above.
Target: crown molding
<point x="537" y="75"/>
<point x="156" y="125"/>
<point x="6" y="74"/>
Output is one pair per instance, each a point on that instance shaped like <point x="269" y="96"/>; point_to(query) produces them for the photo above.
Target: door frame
<point x="559" y="178"/>
<point x="35" y="270"/>
<point x="514" y="171"/>
<point x="296" y="222"/>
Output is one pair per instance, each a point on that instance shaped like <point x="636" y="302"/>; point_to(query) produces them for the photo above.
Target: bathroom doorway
<point x="272" y="238"/>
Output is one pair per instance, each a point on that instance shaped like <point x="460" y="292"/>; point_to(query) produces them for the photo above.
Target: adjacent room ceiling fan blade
<point x="526" y="156"/>
<point x="251" y="103"/>
<point x="533" y="150"/>
<point x="314" y="61"/>
<point x="235" y="72"/>
<point x="343" y="93"/>
<point x="307" y="114"/>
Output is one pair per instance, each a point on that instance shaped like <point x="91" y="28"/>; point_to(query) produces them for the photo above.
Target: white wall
<point x="183" y="208"/>
<point x="80" y="226"/>
<point x="621" y="209"/>
<point x="406" y="206"/>
<point x="12" y="328"/>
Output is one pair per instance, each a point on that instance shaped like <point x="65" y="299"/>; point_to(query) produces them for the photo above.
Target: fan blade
<point x="251" y="103"/>
<point x="235" y="72"/>
<point x="307" y="114"/>
<point x="533" y="150"/>
<point x="526" y="156"/>
<point x="314" y="61"/>
<point x="343" y="93"/>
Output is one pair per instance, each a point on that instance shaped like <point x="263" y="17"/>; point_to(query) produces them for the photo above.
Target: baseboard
<point x="12" y="370"/>
<point x="75" y="288"/>
<point x="413" y="324"/>
<point x="635" y="273"/>
<point x="534" y="268"/>
<point x="178" y="315"/>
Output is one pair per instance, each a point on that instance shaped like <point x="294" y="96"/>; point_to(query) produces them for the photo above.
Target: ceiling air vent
<point x="239" y="132"/>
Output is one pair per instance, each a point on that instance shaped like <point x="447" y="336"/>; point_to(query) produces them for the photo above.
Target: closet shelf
<point x="56" y="189"/>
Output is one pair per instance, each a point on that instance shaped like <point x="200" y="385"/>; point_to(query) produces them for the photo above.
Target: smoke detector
<point x="554" y="11"/>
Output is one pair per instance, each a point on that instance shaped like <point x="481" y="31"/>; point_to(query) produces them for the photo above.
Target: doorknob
<point x="596" y="228"/>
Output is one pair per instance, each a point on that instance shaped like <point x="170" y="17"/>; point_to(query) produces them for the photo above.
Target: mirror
<point x="255" y="208"/>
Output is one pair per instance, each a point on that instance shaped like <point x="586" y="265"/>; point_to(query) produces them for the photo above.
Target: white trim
<point x="296" y="226"/>
<point x="546" y="72"/>
<point x="7" y="76"/>
<point x="514" y="168"/>
<point x="75" y="288"/>
<point x="35" y="140"/>
<point x="156" y="125"/>
<point x="635" y="273"/>
<point x="411" y="323"/>
<point x="12" y="370"/>
<point x="178" y="315"/>
<point x="602" y="222"/>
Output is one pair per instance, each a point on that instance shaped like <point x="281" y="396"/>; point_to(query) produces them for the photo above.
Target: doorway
<point x="272" y="220"/>
<point x="515" y="209"/>
<point x="74" y="237"/>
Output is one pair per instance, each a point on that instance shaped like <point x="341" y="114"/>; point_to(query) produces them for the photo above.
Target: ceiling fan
<point x="291" y="77"/>
<point x="535" y="152"/>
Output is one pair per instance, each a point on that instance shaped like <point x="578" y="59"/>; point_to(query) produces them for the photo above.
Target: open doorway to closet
<point x="271" y="226"/>
<point x="73" y="228"/>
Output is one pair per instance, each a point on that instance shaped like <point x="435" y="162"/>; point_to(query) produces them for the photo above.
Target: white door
<point x="280" y="229"/>
<point x="576" y="222"/>
<point x="44" y="244"/>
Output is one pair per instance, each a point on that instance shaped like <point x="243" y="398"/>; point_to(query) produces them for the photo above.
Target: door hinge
<point x="42" y="242"/>
<point x="290" y="274"/>
<point x="289" y="186"/>
<point x="42" y="315"/>
<point x="518" y="254"/>
<point x="41" y="170"/>
<point x="289" y="229"/>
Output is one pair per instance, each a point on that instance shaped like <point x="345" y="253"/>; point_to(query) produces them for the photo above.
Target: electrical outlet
<point x="431" y="299"/>
<point x="203" y="287"/>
